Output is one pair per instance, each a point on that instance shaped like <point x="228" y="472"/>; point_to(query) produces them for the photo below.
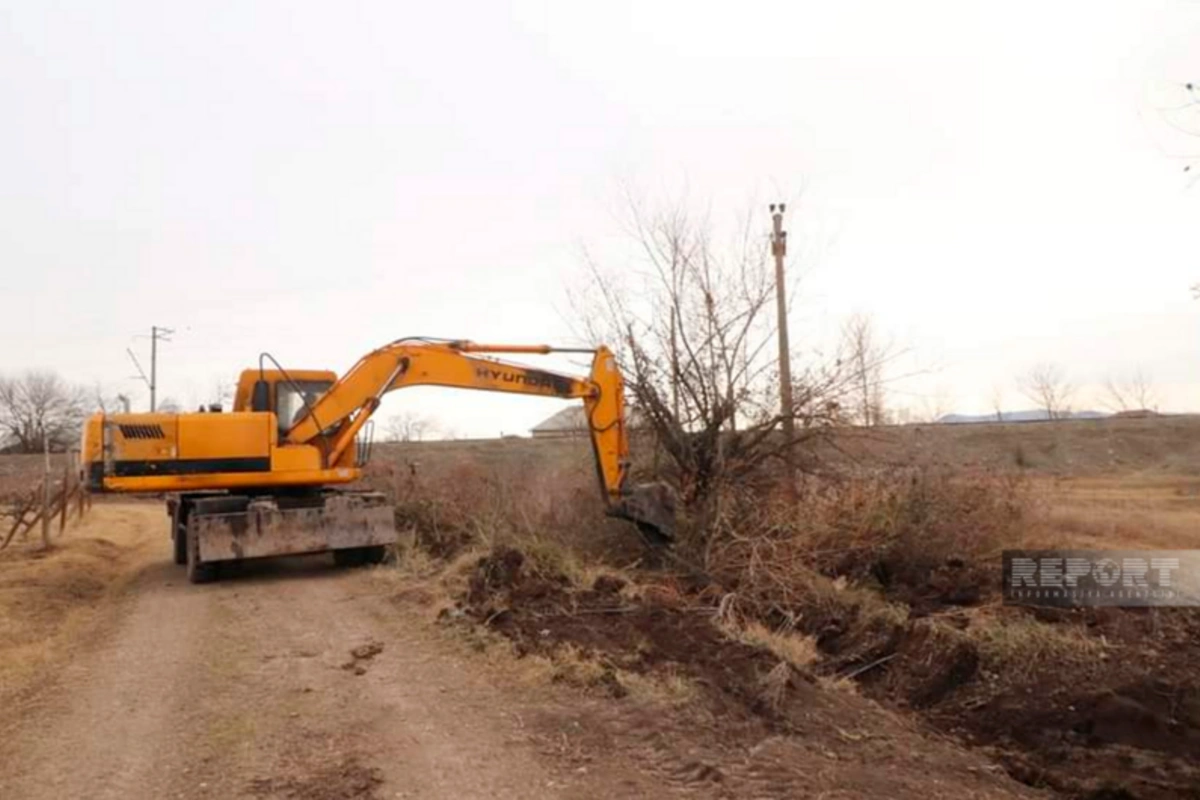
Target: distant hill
<point x="1033" y="415"/>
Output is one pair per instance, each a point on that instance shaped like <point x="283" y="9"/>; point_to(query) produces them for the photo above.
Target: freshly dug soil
<point x="542" y="613"/>
<point x="1122" y="722"/>
<point x="1124" y="725"/>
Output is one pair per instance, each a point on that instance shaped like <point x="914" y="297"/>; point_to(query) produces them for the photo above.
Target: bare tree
<point x="169" y="405"/>
<point x="407" y="427"/>
<point x="1047" y="385"/>
<point x="696" y="339"/>
<point x="37" y="409"/>
<point x="998" y="402"/>
<point x="1135" y="392"/>
<point x="866" y="357"/>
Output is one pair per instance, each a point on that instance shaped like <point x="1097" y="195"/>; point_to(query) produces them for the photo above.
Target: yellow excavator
<point x="268" y="477"/>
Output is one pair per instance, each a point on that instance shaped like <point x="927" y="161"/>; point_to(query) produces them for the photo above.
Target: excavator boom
<point x="357" y="394"/>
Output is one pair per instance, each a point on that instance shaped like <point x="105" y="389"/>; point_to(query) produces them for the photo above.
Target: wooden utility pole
<point x="787" y="408"/>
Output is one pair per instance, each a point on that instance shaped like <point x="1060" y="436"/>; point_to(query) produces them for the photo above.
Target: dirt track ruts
<point x="248" y="688"/>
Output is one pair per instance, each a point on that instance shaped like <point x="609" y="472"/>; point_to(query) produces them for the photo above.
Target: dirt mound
<point x="1123" y="718"/>
<point x="1090" y="702"/>
<point x="542" y="614"/>
<point x="748" y="722"/>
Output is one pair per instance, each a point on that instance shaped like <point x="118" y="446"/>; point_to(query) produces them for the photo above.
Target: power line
<point x="157" y="333"/>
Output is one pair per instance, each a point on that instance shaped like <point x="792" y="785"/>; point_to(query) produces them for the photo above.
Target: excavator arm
<point x="338" y="415"/>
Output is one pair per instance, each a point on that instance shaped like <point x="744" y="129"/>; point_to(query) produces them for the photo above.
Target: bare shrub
<point x="407" y="427"/>
<point x="547" y="509"/>
<point x="918" y="535"/>
<point x="1047" y="385"/>
<point x="1135" y="392"/>
<point x="867" y="355"/>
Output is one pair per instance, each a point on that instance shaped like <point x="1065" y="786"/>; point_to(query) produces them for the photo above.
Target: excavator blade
<point x="650" y="506"/>
<point x="266" y="527"/>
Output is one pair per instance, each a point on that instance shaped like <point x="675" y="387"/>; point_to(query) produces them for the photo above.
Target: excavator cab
<point x="273" y="389"/>
<point x="289" y="395"/>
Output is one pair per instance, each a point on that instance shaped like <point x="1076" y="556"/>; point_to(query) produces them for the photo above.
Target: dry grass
<point x="931" y="537"/>
<point x="908" y="534"/>
<point x="49" y="599"/>
<point x="1020" y="646"/>
<point x="426" y="580"/>
<point x="548" y="508"/>
<point x="797" y="650"/>
<point x="1120" y="511"/>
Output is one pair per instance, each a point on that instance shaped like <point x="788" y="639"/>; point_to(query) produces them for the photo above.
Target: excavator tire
<point x="196" y="571"/>
<point x="359" y="556"/>
<point x="178" y="534"/>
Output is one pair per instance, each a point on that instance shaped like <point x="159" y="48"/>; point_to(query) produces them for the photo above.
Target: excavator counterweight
<point x="266" y="478"/>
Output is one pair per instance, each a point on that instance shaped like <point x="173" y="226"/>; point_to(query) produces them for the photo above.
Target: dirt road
<point x="293" y="679"/>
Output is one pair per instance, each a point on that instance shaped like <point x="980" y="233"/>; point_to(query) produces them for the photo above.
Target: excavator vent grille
<point x="142" y="432"/>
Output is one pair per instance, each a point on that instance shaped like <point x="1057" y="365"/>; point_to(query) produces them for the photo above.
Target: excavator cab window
<point x="293" y="399"/>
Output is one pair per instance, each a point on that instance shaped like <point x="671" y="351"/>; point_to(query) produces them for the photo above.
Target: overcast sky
<point x="997" y="184"/>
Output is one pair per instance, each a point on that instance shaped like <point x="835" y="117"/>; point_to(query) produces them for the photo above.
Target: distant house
<point x="572" y="422"/>
<point x="566" y="423"/>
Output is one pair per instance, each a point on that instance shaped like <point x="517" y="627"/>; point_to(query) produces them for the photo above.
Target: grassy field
<point x="1129" y="510"/>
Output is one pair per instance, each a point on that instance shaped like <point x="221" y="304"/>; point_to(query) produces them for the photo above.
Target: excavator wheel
<point x="196" y="571"/>
<point x="178" y="534"/>
<point x="375" y="555"/>
<point x="359" y="556"/>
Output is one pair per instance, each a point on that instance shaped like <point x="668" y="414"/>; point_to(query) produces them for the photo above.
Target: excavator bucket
<point x="650" y="506"/>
